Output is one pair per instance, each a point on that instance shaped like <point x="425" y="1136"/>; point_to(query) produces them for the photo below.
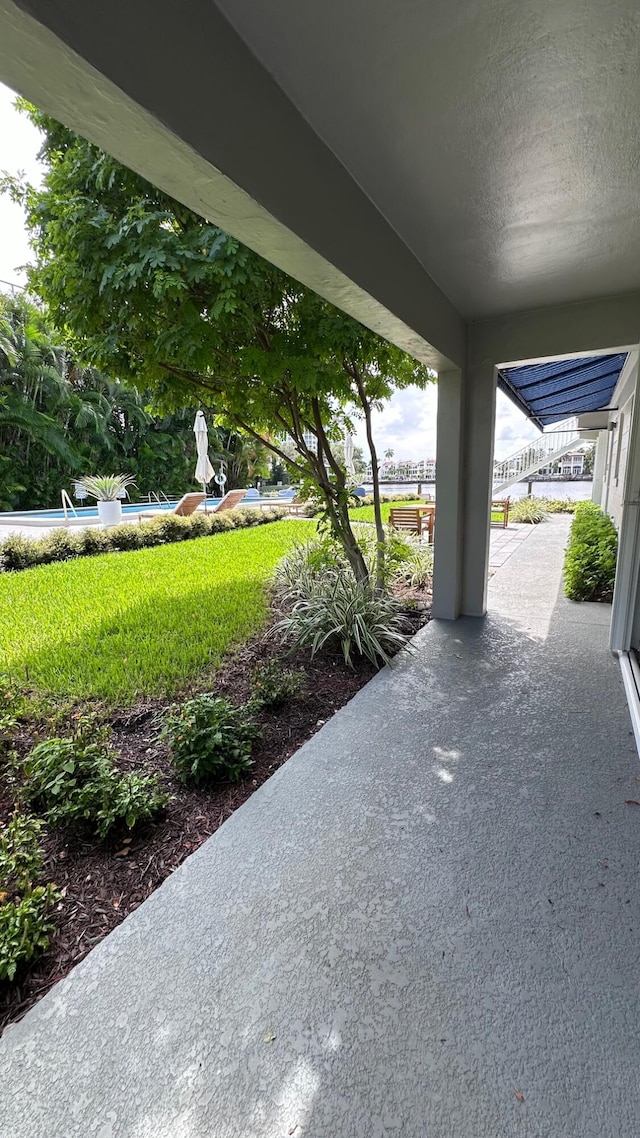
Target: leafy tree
<point x="31" y="385"/>
<point x="158" y="296"/>
<point x="59" y="420"/>
<point x="278" y="471"/>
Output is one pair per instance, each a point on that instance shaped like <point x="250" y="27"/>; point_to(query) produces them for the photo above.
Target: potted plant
<point x="108" y="491"/>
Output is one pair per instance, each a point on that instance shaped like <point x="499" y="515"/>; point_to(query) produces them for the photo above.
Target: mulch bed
<point x="103" y="883"/>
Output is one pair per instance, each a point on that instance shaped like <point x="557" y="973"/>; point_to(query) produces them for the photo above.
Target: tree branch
<point x="271" y="446"/>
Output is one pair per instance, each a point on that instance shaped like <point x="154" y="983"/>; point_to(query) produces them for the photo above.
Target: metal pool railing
<point x="67" y="505"/>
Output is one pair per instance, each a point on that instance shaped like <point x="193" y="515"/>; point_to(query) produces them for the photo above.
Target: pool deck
<point x="38" y="531"/>
<point x="425" y="924"/>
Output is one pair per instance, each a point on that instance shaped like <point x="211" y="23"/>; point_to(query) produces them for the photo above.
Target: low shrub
<point x="404" y="557"/>
<point x="590" y="559"/>
<point x="8" y="725"/>
<point x="337" y="609"/>
<point x="210" y="739"/>
<point x="319" y="554"/>
<point x="246" y="516"/>
<point x="20" y="853"/>
<point x="75" y="782"/>
<point x="222" y="523"/>
<point x="91" y="541"/>
<point x="272" y="685"/>
<point x="368" y="499"/>
<point x="532" y="510"/>
<point x="198" y="526"/>
<point x="328" y="606"/>
<point x="125" y="537"/>
<point x="416" y="567"/>
<point x="17" y="552"/>
<point x="60" y="545"/>
<point x="25" y="929"/>
<point x="164" y="530"/>
<point x="559" y="505"/>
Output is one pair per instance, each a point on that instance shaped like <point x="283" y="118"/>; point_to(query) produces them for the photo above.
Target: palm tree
<point x="31" y="382"/>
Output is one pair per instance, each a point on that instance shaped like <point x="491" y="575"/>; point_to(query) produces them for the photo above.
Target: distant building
<point x="571" y="464"/>
<point x="405" y="470"/>
<point x="310" y="441"/>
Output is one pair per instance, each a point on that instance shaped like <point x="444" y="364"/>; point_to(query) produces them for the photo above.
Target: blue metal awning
<point x="557" y="390"/>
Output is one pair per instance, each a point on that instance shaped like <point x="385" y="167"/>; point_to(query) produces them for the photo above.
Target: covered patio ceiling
<point x="556" y="390"/>
<point x="426" y="167"/>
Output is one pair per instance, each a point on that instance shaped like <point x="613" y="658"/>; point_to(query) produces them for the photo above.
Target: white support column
<point x="479" y="435"/>
<point x="599" y="463"/>
<point x="464" y="482"/>
<point x="628" y="567"/>
<point x="447" y="570"/>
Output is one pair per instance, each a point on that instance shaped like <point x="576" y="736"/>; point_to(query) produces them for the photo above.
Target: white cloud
<point x="407" y="425"/>
<point x="19" y="145"/>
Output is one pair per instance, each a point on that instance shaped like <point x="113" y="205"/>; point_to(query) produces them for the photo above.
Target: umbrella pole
<point x="204" y="487"/>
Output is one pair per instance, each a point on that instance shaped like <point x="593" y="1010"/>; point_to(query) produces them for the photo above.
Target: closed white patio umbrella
<point x="204" y="469"/>
<point x="348" y="454"/>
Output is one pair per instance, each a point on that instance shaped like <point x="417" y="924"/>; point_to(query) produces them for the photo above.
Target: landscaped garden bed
<point x="120" y="639"/>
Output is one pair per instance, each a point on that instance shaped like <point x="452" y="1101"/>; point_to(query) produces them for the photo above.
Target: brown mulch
<point x="103" y="882"/>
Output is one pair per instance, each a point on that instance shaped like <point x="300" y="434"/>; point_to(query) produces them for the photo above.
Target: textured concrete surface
<point x="504" y="542"/>
<point x="432" y="906"/>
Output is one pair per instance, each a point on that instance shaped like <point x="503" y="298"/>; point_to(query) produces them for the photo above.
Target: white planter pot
<point x="110" y="513"/>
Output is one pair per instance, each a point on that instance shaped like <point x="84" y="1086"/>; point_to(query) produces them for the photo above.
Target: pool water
<point x="128" y="508"/>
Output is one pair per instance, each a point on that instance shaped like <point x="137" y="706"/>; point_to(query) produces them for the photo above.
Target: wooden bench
<point x="295" y="506"/>
<point x="413" y="519"/>
<point x="500" y="507"/>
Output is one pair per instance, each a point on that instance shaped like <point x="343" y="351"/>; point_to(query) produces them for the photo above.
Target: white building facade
<point x="405" y="470"/>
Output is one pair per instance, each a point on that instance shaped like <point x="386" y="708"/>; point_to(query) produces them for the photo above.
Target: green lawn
<point x="365" y="513"/>
<point x="142" y="623"/>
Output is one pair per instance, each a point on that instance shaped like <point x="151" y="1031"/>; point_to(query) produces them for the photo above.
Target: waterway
<point x="575" y="491"/>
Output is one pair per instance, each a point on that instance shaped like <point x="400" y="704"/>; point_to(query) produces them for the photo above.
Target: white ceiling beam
<point x="610" y="324"/>
<point x="174" y="93"/>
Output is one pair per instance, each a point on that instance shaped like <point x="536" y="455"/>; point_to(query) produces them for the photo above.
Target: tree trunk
<point x="336" y="501"/>
<point x="345" y="535"/>
<point x="377" y="511"/>
<point x="333" y="494"/>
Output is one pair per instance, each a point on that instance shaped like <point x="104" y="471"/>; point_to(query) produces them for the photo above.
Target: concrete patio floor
<point x="425" y="924"/>
<point x="504" y="542"/>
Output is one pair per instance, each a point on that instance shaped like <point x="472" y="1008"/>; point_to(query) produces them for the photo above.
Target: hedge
<point x="17" y="552"/>
<point x="590" y="559"/>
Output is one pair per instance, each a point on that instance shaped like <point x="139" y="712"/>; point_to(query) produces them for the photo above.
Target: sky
<point x="407" y="425"/>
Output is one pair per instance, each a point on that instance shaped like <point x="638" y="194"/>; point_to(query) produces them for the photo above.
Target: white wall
<point x="617" y="442"/>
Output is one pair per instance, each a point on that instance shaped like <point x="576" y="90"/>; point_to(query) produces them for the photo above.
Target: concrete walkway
<point x="504" y="542"/>
<point x="425" y="924"/>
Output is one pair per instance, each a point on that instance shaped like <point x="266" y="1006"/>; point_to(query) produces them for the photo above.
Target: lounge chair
<point x="231" y="499"/>
<point x="189" y="503"/>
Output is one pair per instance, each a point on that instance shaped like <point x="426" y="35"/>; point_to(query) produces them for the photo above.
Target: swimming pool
<point x="88" y="514"/>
